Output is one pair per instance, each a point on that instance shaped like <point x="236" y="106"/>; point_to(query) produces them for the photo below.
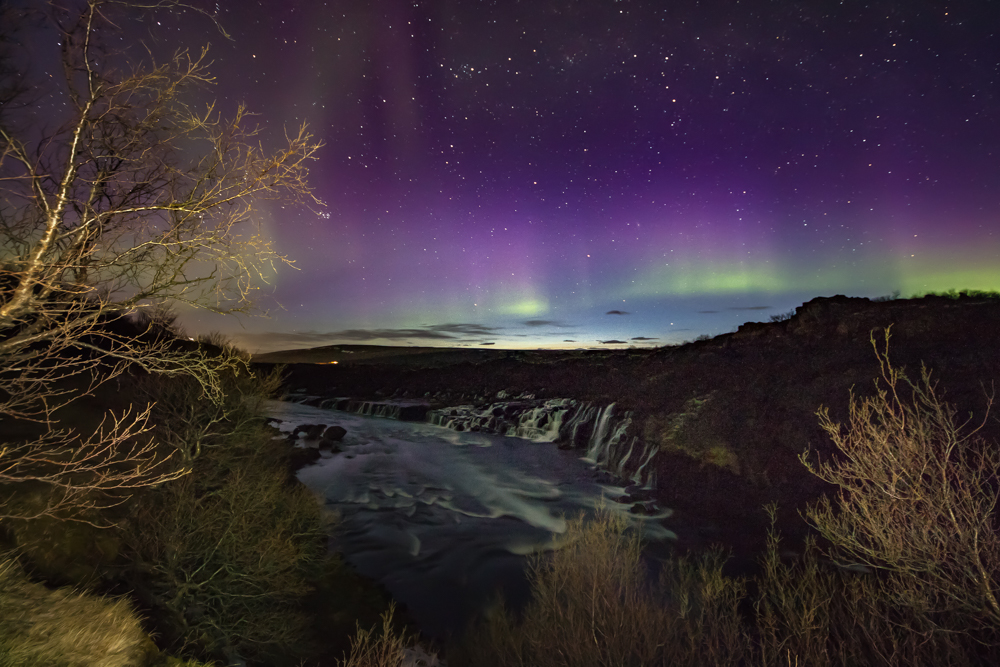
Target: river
<point x="445" y="519"/>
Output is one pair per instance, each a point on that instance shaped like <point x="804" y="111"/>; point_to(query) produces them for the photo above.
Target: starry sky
<point x="566" y="173"/>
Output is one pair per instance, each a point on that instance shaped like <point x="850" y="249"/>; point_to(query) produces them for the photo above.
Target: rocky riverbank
<point x="719" y="424"/>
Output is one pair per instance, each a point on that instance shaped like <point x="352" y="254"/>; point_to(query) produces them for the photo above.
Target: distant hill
<point x="377" y="354"/>
<point x="415" y="357"/>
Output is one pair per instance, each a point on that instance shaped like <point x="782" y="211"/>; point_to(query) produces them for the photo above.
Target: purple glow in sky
<point x="558" y="173"/>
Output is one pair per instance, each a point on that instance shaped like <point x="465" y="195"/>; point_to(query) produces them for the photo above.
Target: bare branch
<point x="135" y="201"/>
<point x="916" y="498"/>
<point x="83" y="474"/>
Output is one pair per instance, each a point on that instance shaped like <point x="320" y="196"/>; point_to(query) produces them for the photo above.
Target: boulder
<point x="639" y="494"/>
<point x="300" y="457"/>
<point x="316" y="432"/>
<point x="641" y="509"/>
<point x="334" y="433"/>
<point x="309" y="431"/>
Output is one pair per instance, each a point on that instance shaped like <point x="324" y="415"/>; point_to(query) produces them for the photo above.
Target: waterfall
<point x="600" y="443"/>
<point x="600" y="432"/>
<point x="408" y="411"/>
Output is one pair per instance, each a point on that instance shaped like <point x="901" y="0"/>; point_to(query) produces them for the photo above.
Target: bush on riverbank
<point x="226" y="563"/>
<point x="910" y="578"/>
<point x="225" y="557"/>
<point x="589" y="612"/>
<point x="371" y="648"/>
<point x="593" y="605"/>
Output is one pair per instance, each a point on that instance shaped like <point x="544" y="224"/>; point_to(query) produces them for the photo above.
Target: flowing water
<point x="445" y="519"/>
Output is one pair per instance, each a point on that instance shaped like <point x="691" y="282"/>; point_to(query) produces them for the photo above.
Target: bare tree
<point x="135" y="200"/>
<point x="917" y="497"/>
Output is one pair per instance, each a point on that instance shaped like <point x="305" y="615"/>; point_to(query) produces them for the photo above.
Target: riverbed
<point x="445" y="520"/>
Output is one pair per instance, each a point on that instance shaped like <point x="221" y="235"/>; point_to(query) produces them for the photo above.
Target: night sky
<point x="557" y="174"/>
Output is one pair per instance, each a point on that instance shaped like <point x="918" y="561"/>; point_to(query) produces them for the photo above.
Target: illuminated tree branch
<point x="917" y="497"/>
<point x="137" y="200"/>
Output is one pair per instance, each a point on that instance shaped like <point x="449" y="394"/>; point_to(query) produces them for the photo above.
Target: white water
<point x="444" y="519"/>
<point x="599" y="431"/>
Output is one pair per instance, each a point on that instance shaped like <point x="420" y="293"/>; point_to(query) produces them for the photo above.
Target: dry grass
<point x="60" y="628"/>
<point x="383" y="650"/>
<point x="691" y="432"/>
<point x="809" y="612"/>
<point x="594" y="605"/>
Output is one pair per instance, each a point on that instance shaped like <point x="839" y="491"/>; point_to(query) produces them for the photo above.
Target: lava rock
<point x="637" y="493"/>
<point x="641" y="509"/>
<point x="300" y="457"/>
<point x="315" y="432"/>
<point x="335" y="433"/>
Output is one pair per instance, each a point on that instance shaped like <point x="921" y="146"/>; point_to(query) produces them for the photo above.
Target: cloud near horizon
<point x="545" y="323"/>
<point x="452" y="332"/>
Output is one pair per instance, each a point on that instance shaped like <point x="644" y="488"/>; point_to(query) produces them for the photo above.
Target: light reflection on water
<point x="444" y="519"/>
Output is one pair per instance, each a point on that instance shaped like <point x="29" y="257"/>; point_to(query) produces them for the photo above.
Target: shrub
<point x="887" y="297"/>
<point x="226" y="565"/>
<point x="783" y="317"/>
<point x="225" y="556"/>
<point x="188" y="423"/>
<point x="224" y="343"/>
<point x="810" y="611"/>
<point x="960" y="294"/>
<point x="794" y="607"/>
<point x="225" y="568"/>
<point x="916" y="501"/>
<point x="158" y="321"/>
<point x="595" y="604"/>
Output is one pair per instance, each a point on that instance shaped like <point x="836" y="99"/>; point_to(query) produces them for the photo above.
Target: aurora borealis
<point x="558" y="173"/>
